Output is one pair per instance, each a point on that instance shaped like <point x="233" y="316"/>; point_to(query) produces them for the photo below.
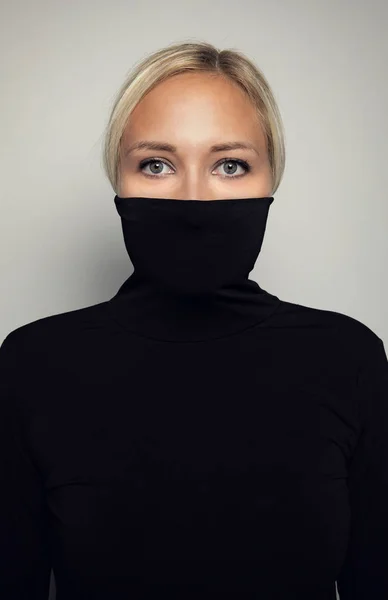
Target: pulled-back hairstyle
<point x="195" y="56"/>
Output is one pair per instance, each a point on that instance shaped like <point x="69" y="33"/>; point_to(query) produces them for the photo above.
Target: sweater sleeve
<point x="24" y="556"/>
<point x="364" y="575"/>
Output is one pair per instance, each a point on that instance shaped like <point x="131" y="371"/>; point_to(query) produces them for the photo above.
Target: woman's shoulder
<point x="332" y="324"/>
<point x="52" y="329"/>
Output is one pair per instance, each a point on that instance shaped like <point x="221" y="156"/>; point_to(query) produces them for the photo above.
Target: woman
<point x="194" y="436"/>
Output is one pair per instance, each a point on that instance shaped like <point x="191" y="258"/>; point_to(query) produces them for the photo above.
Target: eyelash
<point x="240" y="162"/>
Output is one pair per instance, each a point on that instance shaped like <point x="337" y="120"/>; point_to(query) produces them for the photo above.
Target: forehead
<point x="195" y="106"/>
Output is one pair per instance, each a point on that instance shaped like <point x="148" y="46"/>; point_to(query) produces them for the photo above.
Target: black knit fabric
<point x="194" y="436"/>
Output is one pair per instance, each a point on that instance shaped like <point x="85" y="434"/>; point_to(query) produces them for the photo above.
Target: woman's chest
<point x="216" y="452"/>
<point x="233" y="411"/>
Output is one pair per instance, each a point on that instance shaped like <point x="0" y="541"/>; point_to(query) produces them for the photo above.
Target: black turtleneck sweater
<point x="154" y="447"/>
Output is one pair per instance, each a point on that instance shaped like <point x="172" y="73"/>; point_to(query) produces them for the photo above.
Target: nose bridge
<point x="194" y="184"/>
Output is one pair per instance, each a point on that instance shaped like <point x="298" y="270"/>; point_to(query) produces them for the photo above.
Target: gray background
<point x="326" y="243"/>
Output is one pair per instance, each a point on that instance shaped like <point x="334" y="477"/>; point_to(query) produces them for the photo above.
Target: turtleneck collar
<point x="191" y="263"/>
<point x="143" y="310"/>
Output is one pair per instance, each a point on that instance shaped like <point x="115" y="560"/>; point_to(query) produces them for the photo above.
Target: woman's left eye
<point x="229" y="166"/>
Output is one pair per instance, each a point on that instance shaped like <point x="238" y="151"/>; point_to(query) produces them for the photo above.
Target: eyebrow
<point x="165" y="147"/>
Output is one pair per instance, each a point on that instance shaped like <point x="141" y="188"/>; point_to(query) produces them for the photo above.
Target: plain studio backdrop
<point x="326" y="243"/>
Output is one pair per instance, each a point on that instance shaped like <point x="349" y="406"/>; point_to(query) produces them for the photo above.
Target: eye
<point x="230" y="165"/>
<point x="156" y="163"/>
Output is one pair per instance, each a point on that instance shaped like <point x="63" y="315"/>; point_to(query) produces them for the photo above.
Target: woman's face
<point x="183" y="117"/>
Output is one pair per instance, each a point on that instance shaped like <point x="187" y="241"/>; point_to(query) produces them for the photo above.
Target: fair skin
<point x="192" y="112"/>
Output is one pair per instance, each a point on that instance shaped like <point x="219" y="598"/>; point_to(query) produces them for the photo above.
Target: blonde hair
<point x="195" y="56"/>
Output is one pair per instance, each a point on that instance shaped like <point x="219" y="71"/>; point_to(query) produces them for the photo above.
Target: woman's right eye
<point x="156" y="163"/>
